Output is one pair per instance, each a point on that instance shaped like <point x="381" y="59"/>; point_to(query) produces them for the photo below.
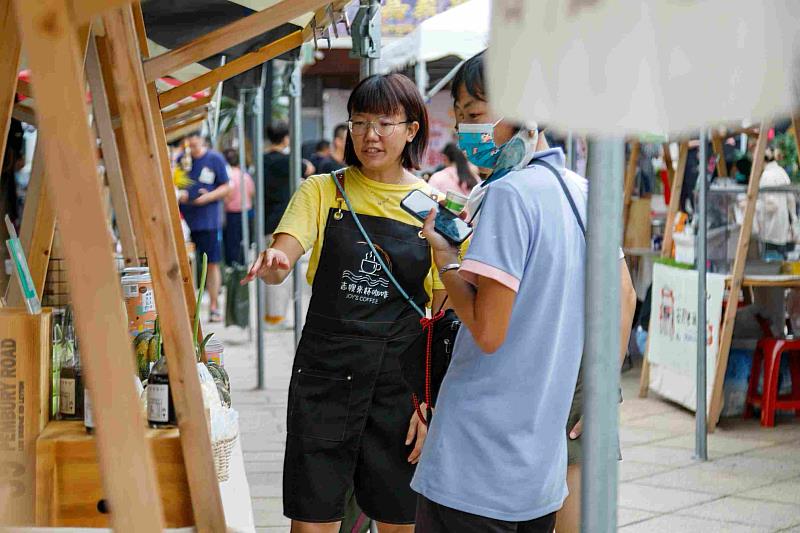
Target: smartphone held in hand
<point x="448" y="224"/>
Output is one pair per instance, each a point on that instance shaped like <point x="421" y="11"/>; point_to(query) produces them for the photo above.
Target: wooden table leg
<point x="729" y="318"/>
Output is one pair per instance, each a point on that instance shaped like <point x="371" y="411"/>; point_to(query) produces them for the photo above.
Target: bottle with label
<point x="70" y="402"/>
<point x="60" y="351"/>
<point x="160" y="408"/>
<point x="88" y="417"/>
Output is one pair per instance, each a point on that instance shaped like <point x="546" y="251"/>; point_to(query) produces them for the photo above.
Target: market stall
<point x="721" y="328"/>
<point x="132" y="120"/>
<point x="609" y="69"/>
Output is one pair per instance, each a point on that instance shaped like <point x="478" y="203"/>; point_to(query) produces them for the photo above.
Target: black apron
<point x="349" y="408"/>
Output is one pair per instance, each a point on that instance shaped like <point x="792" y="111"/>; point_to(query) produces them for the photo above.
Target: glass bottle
<point x="71" y="383"/>
<point x="160" y="408"/>
<point x="59" y="355"/>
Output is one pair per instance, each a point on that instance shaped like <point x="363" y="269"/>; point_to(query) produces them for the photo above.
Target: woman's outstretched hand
<point x="270" y="260"/>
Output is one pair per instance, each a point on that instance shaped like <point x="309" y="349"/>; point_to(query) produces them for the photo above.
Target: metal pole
<point x="444" y="81"/>
<point x="374" y="62"/>
<point x="421" y="76"/>
<point x="217" y="105"/>
<point x="369" y="65"/>
<point x="601" y="372"/>
<point x="243" y="166"/>
<point x="364" y="71"/>
<point x="260" y="237"/>
<point x="241" y="135"/>
<point x="700" y="446"/>
<point x="296" y="176"/>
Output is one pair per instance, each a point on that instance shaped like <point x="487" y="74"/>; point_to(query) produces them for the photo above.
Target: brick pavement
<point x="751" y="484"/>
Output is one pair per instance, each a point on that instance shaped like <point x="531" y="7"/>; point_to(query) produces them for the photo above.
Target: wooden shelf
<point x="778" y="280"/>
<point x="68" y="485"/>
<point x="641" y="252"/>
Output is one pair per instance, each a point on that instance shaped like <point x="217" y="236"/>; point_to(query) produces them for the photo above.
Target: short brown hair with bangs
<point x="390" y="94"/>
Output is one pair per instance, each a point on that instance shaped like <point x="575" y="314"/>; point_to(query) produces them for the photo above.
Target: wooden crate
<point x="25" y="355"/>
<point x="68" y="487"/>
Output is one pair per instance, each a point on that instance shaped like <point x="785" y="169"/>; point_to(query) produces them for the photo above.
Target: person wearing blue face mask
<point x="507" y="418"/>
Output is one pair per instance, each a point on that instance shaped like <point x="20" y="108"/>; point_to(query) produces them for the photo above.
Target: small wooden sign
<point x="25" y="362"/>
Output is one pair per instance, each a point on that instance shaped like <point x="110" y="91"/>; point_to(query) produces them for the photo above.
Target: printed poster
<point x="673" y="333"/>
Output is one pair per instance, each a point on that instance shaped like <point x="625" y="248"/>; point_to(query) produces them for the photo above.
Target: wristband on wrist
<point x="447" y="268"/>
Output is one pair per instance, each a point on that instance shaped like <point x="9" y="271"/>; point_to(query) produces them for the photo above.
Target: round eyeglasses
<point x="382" y="127"/>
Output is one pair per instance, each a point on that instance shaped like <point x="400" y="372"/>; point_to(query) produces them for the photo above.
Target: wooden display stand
<point x="124" y="464"/>
<point x="736" y="281"/>
<point x="24" y="402"/>
<point x="69" y="491"/>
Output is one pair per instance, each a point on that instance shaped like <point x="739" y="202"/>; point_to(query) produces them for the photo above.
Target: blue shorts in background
<point x="208" y="242"/>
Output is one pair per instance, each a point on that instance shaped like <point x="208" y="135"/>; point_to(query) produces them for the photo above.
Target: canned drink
<point x="140" y="302"/>
<point x="214" y="352"/>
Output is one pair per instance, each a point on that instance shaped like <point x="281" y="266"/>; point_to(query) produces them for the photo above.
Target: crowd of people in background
<point x="213" y="201"/>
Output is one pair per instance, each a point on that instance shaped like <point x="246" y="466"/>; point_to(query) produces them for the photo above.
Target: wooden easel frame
<point x="737" y="279"/>
<point x="666" y="246"/>
<point x="131" y="127"/>
<point x="630" y="179"/>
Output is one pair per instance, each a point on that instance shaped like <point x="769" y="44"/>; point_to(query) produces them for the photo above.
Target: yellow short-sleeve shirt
<point x="307" y="214"/>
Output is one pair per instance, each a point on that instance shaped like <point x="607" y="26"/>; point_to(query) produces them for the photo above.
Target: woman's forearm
<point x="627" y="308"/>
<point x="460" y="293"/>
<point x="275" y="277"/>
<point x="291" y="247"/>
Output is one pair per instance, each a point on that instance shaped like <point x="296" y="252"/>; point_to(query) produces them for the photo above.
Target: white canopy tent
<point x="659" y="66"/>
<point x="612" y="68"/>
<point x="462" y="31"/>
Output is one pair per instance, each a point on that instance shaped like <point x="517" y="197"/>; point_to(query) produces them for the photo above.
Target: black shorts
<point x="435" y="518"/>
<point x="331" y="448"/>
<point x="575" y="446"/>
<point x="208" y="242"/>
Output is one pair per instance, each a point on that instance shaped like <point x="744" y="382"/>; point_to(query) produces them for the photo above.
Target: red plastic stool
<point x="767" y="358"/>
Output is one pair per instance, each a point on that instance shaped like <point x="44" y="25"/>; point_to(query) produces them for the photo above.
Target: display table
<point x="69" y="492"/>
<point x="777" y="280"/>
<point x="68" y="487"/>
<point x="641" y="252"/>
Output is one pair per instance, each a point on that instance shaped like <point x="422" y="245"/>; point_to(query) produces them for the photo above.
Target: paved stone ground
<point x="751" y="484"/>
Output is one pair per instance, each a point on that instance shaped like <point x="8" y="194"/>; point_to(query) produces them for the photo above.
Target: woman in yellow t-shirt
<point x="351" y="422"/>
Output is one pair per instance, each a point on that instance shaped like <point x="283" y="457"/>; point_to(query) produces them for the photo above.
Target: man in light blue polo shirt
<point x="495" y="458"/>
<point x="496" y="446"/>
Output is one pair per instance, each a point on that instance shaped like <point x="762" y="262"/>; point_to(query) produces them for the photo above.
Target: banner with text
<point x="673" y="332"/>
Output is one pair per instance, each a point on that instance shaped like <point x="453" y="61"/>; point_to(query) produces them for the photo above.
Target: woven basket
<point x="222" y="450"/>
